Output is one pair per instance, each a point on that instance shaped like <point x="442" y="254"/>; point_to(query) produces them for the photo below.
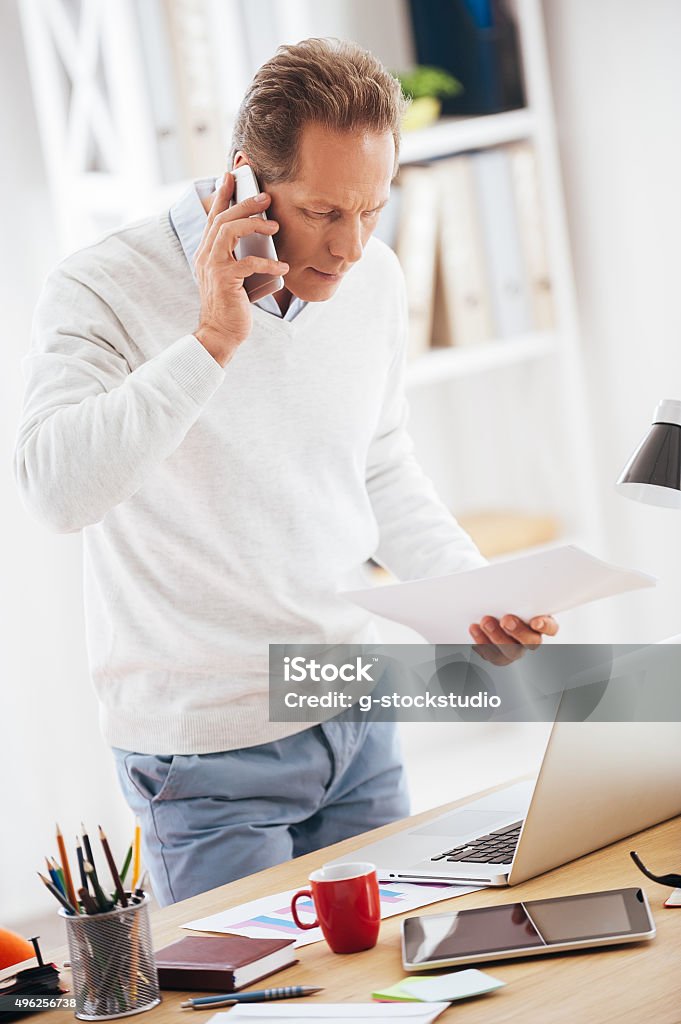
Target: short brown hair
<point x="330" y="82"/>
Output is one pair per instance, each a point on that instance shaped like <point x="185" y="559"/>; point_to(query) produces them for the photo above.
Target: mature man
<point x="232" y="466"/>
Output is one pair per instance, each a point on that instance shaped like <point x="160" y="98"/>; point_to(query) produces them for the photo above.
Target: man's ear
<point x="240" y="159"/>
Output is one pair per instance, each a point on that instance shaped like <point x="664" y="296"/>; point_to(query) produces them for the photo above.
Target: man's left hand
<point x="502" y="641"/>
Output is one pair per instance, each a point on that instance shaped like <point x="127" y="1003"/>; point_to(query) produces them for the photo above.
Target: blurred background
<point x="537" y="218"/>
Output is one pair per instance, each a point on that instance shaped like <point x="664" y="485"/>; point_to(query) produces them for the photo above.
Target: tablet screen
<point x="530" y="925"/>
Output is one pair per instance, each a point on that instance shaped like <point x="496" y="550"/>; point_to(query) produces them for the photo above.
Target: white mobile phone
<point x="257" y="285"/>
<point x="526" y="929"/>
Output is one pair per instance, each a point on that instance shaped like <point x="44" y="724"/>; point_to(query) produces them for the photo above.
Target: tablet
<point x="528" y="928"/>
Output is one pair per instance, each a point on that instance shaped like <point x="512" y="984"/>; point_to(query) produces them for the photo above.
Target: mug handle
<point x="294" y="910"/>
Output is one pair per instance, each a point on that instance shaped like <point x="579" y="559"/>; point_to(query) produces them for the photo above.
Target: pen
<point x="262" y="996"/>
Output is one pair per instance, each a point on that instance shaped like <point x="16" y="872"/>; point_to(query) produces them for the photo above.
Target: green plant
<point x="426" y="81"/>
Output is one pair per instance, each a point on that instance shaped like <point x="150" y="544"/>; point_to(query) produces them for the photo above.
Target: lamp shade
<point x="653" y="474"/>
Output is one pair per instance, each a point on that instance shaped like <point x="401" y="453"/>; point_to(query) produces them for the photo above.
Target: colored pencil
<point x="136" y="852"/>
<point x="118" y="885"/>
<point x="139" y="891"/>
<point x="57" y="893"/>
<point x="103" y="903"/>
<point x="126" y="863"/>
<point x="88" y="848"/>
<point x="68" y="881"/>
<point x="60" y="873"/>
<point x="134" y="957"/>
<point x="88" y="902"/>
<point x="54" y="875"/>
<point x="81" y="861"/>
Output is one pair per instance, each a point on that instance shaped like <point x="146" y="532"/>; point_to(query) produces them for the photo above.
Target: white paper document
<point x="270" y="916"/>
<point x="359" y="1013"/>
<point x="544" y="583"/>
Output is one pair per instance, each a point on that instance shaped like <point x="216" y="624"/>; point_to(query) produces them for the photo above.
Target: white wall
<point x="382" y="27"/>
<point x="617" y="88"/>
<point x="51" y="766"/>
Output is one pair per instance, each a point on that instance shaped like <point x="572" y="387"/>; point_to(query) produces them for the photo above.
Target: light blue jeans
<point x="210" y="818"/>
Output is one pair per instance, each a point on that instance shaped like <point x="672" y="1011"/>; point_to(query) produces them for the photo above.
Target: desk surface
<point x="626" y="983"/>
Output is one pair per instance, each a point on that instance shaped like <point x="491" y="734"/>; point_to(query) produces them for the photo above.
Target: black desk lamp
<point x="653" y="474"/>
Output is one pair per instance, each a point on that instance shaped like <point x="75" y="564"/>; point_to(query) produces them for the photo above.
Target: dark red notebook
<point x="221" y="963"/>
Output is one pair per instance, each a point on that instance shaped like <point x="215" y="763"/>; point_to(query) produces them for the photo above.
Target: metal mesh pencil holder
<point x="112" y="962"/>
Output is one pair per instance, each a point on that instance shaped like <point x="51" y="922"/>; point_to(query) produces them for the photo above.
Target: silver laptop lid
<point x="599" y="782"/>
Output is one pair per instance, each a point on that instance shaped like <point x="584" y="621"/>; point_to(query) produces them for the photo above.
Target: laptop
<point x="598" y="782"/>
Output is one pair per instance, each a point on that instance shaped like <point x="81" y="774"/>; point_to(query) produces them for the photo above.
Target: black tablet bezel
<point x="641" y="927"/>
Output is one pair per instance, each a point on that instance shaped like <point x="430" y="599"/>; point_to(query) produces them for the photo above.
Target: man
<point x="232" y="466"/>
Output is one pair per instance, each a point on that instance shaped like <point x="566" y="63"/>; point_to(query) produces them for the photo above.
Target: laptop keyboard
<point x="495" y="848"/>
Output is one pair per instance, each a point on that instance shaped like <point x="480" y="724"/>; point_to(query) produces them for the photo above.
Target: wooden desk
<point x="624" y="984"/>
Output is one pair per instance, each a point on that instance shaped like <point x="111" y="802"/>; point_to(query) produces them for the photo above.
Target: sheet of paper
<point x="270" y="916"/>
<point x="543" y="583"/>
<point x="359" y="1013"/>
<point x="448" y="987"/>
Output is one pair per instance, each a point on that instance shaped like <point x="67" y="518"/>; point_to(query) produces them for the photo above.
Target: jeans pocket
<point x="151" y="774"/>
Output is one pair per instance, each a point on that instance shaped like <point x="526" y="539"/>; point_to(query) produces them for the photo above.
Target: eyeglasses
<point x="674" y="881"/>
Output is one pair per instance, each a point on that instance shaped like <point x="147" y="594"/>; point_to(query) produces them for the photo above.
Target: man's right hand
<point x="226" y="318"/>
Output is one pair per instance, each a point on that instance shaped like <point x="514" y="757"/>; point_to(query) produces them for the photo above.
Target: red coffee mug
<point x="348" y="907"/>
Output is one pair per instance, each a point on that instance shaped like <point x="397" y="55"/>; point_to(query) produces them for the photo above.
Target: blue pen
<point x="287" y="992"/>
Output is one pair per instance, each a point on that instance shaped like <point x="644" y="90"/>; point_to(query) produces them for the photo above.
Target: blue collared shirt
<point x="188" y="219"/>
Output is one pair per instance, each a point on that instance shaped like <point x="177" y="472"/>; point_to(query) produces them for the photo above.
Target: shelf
<point x="456" y="134"/>
<point x="445" y="363"/>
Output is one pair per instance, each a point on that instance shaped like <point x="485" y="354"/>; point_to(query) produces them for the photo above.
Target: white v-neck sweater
<point x="221" y="509"/>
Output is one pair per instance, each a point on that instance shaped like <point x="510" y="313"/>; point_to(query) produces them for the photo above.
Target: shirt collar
<point x="188" y="220"/>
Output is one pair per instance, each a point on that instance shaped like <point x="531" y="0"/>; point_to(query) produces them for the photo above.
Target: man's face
<point x="327" y="215"/>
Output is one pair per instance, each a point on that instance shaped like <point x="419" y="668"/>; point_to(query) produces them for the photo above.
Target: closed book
<point x="416" y="250"/>
<point x="501" y="240"/>
<point x="222" y="963"/>
<point x="463" y="271"/>
<point x="524" y="173"/>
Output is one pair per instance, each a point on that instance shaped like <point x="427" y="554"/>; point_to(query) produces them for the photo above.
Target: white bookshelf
<point x="448" y="363"/>
<point x="451" y="135"/>
<point x="555" y="356"/>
